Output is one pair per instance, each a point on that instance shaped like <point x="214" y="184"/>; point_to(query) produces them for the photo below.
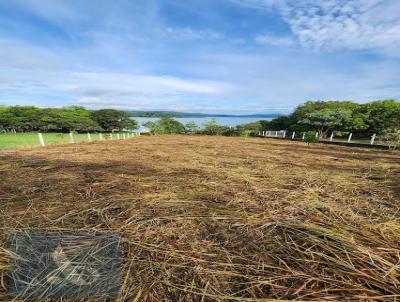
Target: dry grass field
<point x="219" y="218"/>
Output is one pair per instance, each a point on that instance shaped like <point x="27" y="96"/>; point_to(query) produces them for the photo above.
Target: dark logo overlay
<point x="66" y="265"/>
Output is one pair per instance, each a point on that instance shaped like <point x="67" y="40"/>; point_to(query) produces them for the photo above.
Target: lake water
<point x="200" y="121"/>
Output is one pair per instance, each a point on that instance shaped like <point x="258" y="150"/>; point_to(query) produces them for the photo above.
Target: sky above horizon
<point x="211" y="56"/>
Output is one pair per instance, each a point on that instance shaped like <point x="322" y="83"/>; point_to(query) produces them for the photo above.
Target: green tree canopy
<point x="325" y="120"/>
<point x="67" y="119"/>
<point x="24" y="118"/>
<point x="373" y="117"/>
<point x="279" y="123"/>
<point x="165" y="125"/>
<point x="381" y="115"/>
<point x="111" y="119"/>
<point x="296" y="119"/>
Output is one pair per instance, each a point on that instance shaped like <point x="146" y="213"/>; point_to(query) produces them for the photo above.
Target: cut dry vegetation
<point x="217" y="218"/>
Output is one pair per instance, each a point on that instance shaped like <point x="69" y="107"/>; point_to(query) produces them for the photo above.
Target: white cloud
<point x="274" y="40"/>
<point x="190" y="33"/>
<point x="335" y="24"/>
<point x="340" y="24"/>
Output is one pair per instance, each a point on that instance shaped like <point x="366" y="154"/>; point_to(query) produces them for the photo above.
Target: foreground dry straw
<point x="220" y="219"/>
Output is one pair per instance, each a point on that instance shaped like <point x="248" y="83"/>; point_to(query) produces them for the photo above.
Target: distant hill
<point x="160" y="113"/>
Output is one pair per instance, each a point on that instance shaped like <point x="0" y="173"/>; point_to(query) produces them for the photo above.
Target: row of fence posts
<point x="276" y="134"/>
<point x="89" y="136"/>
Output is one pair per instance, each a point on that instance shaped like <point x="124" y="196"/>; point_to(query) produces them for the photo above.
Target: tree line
<point x="377" y="117"/>
<point x="342" y="117"/>
<point x="30" y="118"/>
<point x="324" y="117"/>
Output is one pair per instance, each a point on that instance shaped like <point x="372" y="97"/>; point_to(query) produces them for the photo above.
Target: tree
<point x="212" y="128"/>
<point x="328" y="120"/>
<point x="302" y="112"/>
<point x="5" y="118"/>
<point x="110" y="119"/>
<point x="192" y="127"/>
<point x="73" y="118"/>
<point x="280" y="123"/>
<point x="22" y="118"/>
<point x="166" y="125"/>
<point x="381" y="115"/>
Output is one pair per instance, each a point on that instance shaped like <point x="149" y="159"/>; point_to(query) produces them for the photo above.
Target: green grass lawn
<point x="26" y="139"/>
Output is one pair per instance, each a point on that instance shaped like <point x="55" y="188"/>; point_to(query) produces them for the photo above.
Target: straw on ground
<point x="219" y="218"/>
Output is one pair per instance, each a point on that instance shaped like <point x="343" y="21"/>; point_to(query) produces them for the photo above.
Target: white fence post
<point x="284" y="134"/>
<point x="41" y="139"/>
<point x="350" y="136"/>
<point x="304" y="136"/>
<point x="101" y="136"/>
<point x="111" y="137"/>
<point x="138" y="133"/>
<point x="331" y="138"/>
<point x="123" y="136"/>
<point x="373" y="139"/>
<point x="117" y="135"/>
<point x="89" y="137"/>
<point x="276" y="133"/>
<point x="316" y="134"/>
<point x="71" y="137"/>
<point x="293" y="135"/>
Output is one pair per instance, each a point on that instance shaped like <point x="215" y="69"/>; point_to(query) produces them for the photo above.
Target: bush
<point x="391" y="138"/>
<point x="191" y="127"/>
<point x="166" y="125"/>
<point x="311" y="138"/>
<point x="212" y="128"/>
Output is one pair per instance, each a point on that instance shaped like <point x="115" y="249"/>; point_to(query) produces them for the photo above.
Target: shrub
<point x="165" y="125"/>
<point x="391" y="137"/>
<point x="310" y="137"/>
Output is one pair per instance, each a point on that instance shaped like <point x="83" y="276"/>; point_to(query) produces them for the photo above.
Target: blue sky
<point x="225" y="56"/>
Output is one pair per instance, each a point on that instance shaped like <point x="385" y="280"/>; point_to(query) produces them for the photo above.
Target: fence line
<point x="282" y="134"/>
<point x="127" y="135"/>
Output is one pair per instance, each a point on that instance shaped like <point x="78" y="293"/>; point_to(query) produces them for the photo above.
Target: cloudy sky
<point x="225" y="56"/>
